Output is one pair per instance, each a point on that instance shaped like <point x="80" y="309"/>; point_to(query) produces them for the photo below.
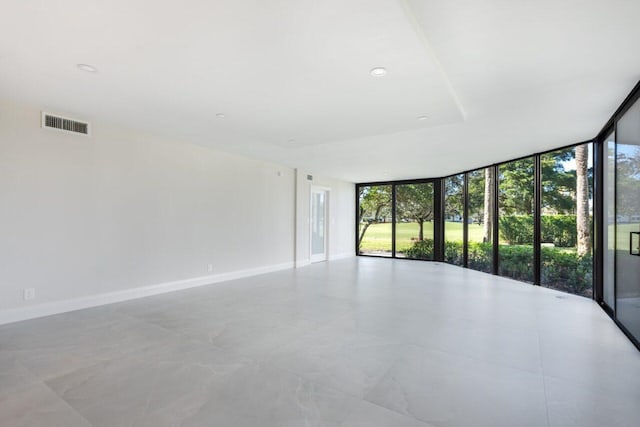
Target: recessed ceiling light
<point x="88" y="68"/>
<point x="423" y="117"/>
<point x="220" y="115"/>
<point x="291" y="141"/>
<point x="378" y="71"/>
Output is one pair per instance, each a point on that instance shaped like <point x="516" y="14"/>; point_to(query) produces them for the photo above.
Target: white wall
<point x="341" y="216"/>
<point x="119" y="210"/>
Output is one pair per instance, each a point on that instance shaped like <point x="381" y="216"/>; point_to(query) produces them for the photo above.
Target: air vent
<point x="64" y="124"/>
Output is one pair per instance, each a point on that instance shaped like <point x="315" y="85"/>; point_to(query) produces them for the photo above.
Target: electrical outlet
<point x="29" y="293"/>
<point x="209" y="268"/>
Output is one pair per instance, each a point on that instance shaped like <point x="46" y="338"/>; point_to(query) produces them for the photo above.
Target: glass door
<point x="627" y="185"/>
<point x="318" y="224"/>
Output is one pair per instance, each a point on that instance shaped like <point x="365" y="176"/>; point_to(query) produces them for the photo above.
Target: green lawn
<point x="378" y="236"/>
<point x="453" y="232"/>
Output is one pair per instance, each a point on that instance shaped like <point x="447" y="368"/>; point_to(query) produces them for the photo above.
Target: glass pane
<point x="480" y="221"/>
<point x="566" y="220"/>
<point x="317" y="223"/>
<point x="453" y="219"/>
<point x="374" y="236"/>
<point x="414" y="221"/>
<point x="628" y="219"/>
<point x="609" y="220"/>
<point x="515" y="209"/>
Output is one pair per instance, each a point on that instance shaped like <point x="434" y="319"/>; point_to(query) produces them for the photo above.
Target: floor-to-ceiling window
<point x="566" y="221"/>
<point x="454" y="219"/>
<point x="515" y="219"/>
<point x="415" y="214"/>
<point x="480" y="221"/>
<point x="609" y="219"/>
<point x="374" y="220"/>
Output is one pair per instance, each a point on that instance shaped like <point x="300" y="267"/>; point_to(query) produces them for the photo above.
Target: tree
<point x="489" y="180"/>
<point x="582" y="200"/>
<point x="558" y="184"/>
<point x="454" y="197"/>
<point x="516" y="187"/>
<point x="415" y="203"/>
<point x="375" y="203"/>
<point x="475" y="194"/>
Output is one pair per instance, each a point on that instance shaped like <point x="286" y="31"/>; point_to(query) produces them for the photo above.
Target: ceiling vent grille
<point x="64" y="124"/>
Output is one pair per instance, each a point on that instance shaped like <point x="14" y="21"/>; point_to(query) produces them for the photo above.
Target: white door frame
<point x="327" y="191"/>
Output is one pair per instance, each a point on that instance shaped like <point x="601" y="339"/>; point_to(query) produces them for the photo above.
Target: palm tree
<point x="582" y="200"/>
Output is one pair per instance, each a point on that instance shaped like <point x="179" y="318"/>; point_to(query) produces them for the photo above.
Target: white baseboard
<point x="342" y="255"/>
<point x="57" y="307"/>
<point x="303" y="262"/>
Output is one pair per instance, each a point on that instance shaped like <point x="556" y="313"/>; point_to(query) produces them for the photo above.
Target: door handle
<point x="634" y="243"/>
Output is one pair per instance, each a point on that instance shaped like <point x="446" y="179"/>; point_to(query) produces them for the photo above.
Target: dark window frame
<point x="607" y="129"/>
<point x="439" y="190"/>
<point x="438" y="254"/>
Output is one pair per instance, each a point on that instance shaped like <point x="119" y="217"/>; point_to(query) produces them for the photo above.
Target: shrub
<point x="562" y="270"/>
<point x="453" y="252"/>
<point x="566" y="271"/>
<point x="517" y="262"/>
<point x="479" y="253"/>
<point x="421" y="249"/>
<point x="481" y="256"/>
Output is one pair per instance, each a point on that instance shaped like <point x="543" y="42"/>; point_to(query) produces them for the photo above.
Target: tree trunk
<point x="364" y="230"/>
<point x="489" y="179"/>
<point x="582" y="201"/>
<point x="421" y="232"/>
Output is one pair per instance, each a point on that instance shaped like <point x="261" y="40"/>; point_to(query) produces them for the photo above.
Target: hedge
<point x="561" y="269"/>
<point x="517" y="229"/>
<point x="517" y="262"/>
<point x="567" y="272"/>
<point x="560" y="230"/>
<point x="557" y="229"/>
<point x="453" y="253"/>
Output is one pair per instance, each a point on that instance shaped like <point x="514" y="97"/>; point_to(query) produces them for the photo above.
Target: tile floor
<point x="354" y="342"/>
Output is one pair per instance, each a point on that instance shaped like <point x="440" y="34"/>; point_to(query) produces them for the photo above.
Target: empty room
<point x="402" y="213"/>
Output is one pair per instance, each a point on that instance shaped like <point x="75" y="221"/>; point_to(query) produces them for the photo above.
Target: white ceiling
<point x="497" y="78"/>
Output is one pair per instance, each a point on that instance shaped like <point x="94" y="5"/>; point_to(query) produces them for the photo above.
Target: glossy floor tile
<point x="370" y="415"/>
<point x="447" y="389"/>
<point x="339" y="357"/>
<point x="572" y="404"/>
<point x="353" y="342"/>
<point x="37" y="405"/>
